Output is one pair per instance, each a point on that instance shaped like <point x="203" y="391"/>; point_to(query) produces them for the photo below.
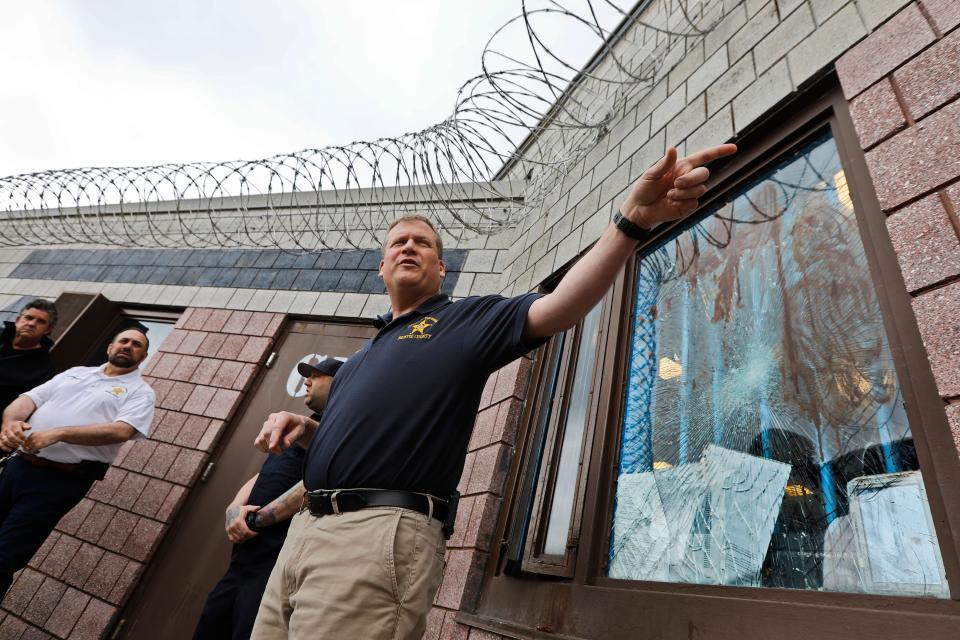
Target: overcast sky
<point x="112" y="83"/>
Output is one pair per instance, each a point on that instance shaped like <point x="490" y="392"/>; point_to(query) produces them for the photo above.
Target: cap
<point x="326" y="367"/>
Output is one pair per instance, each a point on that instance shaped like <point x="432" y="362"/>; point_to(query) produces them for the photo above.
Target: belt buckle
<point x="333" y="503"/>
<point x="4" y="459"/>
<point x="304" y="502"/>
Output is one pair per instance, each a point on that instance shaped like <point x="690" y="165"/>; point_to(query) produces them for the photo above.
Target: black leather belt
<point x="328" y="502"/>
<point x="37" y="461"/>
<point x="87" y="469"/>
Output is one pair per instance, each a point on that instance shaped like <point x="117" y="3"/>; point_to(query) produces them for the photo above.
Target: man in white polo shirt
<point x="77" y="423"/>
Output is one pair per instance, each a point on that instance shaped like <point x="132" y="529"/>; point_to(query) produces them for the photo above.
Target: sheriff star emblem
<point x="419" y="330"/>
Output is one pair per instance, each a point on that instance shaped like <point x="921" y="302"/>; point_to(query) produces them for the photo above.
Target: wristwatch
<point x="251" y="521"/>
<point x="629" y="228"/>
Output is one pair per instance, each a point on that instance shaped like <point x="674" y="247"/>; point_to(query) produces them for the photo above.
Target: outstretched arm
<point x="669" y="190"/>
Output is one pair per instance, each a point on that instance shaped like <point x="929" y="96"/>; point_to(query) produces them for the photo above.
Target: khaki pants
<point x="364" y="575"/>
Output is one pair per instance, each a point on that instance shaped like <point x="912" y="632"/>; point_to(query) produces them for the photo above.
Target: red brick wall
<point x="87" y="569"/>
<point x="903" y="84"/>
<point x="481" y="488"/>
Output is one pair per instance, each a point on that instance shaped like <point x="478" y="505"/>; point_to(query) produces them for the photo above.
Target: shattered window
<point x="764" y="438"/>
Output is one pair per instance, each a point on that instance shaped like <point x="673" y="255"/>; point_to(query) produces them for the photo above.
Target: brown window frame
<point x="88" y="320"/>
<point x="535" y="558"/>
<point x="588" y="604"/>
<point x="548" y="371"/>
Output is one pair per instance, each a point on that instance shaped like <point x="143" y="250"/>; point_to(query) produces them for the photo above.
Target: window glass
<point x="764" y="438"/>
<point x="551" y="375"/>
<point x="156" y="333"/>
<point x="568" y="467"/>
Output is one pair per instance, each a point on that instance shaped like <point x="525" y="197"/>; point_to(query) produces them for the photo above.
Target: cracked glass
<point x="764" y="439"/>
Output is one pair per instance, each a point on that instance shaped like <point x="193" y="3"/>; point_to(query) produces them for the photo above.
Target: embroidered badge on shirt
<point x="419" y="330"/>
<point x="117" y="392"/>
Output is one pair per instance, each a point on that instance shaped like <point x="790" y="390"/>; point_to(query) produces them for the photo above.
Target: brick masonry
<point x="906" y="110"/>
<point x="88" y="567"/>
<point x="481" y="487"/>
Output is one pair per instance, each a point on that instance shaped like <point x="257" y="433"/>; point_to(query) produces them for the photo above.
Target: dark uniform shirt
<point x="402" y="408"/>
<point x="277" y="475"/>
<point x="21" y="370"/>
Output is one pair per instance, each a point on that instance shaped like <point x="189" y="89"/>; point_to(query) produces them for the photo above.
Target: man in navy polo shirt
<point x="367" y="559"/>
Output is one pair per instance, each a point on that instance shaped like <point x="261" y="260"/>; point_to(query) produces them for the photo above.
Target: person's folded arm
<point x="235" y="526"/>
<point x="14" y="428"/>
<point x="283" y="508"/>
<point x="91" y="435"/>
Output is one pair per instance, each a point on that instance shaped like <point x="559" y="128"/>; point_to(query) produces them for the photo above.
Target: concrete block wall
<point x="903" y="84"/>
<point x="330" y="219"/>
<point x="87" y="568"/>
<point x="757" y="55"/>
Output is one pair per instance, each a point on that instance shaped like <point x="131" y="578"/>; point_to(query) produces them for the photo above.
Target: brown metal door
<point x="195" y="552"/>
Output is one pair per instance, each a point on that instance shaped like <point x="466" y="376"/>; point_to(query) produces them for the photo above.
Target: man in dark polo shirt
<point x="25" y="350"/>
<point x="258" y="531"/>
<point x="366" y="560"/>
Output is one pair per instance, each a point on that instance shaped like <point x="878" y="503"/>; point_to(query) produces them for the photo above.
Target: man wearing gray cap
<point x="256" y="531"/>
